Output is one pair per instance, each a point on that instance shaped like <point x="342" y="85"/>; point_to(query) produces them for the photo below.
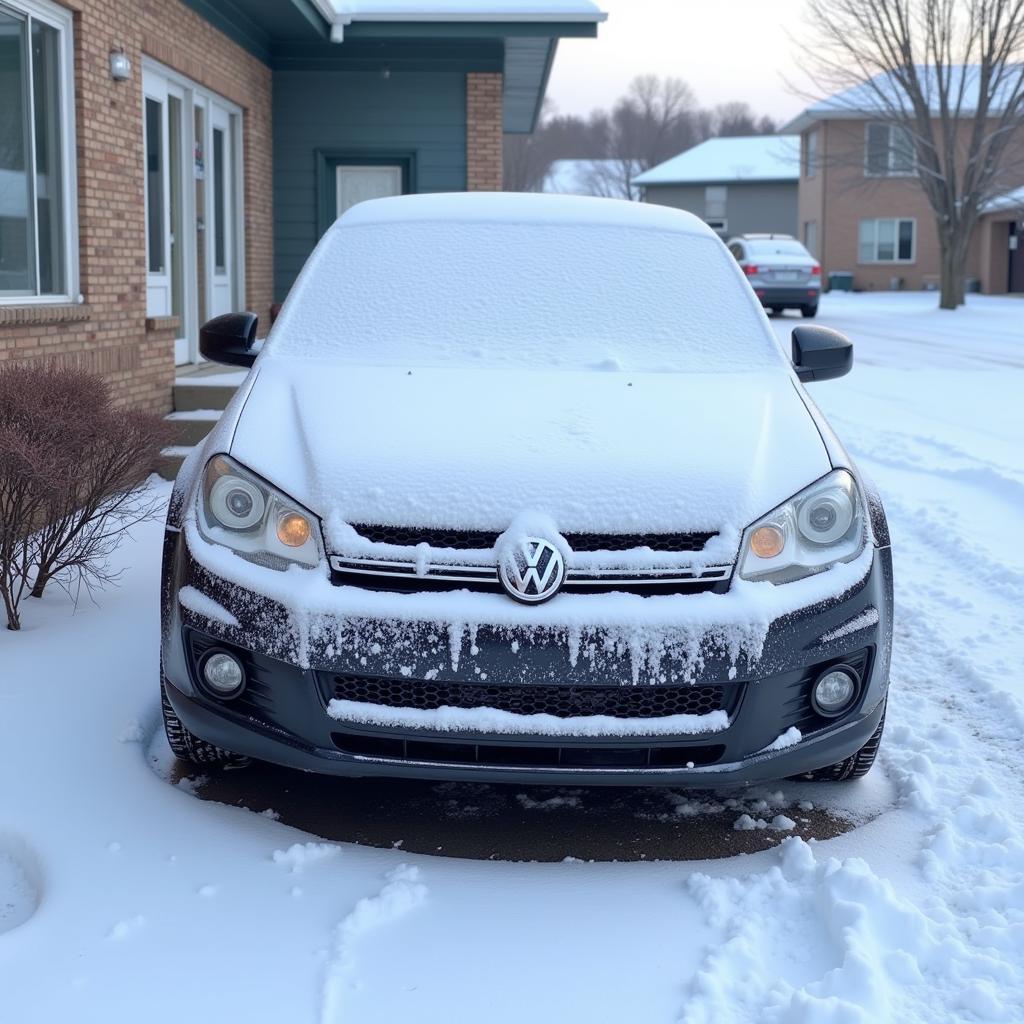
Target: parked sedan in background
<point x="783" y="274"/>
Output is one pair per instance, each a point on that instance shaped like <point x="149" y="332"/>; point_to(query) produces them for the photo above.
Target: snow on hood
<point x="475" y="449"/>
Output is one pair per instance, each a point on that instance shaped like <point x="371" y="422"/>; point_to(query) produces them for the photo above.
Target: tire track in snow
<point x="402" y="893"/>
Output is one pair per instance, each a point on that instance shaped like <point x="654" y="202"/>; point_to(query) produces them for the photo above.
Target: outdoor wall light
<point x="120" y="66"/>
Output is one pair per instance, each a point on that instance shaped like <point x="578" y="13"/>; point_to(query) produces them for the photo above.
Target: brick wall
<point x="109" y="333"/>
<point x="483" y="132"/>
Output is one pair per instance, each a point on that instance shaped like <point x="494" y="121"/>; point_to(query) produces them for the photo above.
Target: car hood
<point x="590" y="451"/>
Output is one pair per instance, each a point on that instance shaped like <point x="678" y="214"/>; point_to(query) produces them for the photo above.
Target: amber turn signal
<point x="767" y="541"/>
<point x="293" y="529"/>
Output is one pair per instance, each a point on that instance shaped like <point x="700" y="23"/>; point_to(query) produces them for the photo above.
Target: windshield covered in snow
<point x="535" y="295"/>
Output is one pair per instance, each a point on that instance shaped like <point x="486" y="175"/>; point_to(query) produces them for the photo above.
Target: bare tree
<point x="737" y="118"/>
<point x="656" y="119"/>
<point x="948" y="75"/>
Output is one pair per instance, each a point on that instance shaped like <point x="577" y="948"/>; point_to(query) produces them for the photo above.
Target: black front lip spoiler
<point x="247" y="736"/>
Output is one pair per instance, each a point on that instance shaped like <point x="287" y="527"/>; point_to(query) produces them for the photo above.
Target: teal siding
<point x="412" y="114"/>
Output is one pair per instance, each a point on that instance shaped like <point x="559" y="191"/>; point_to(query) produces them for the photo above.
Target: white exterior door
<point x="221" y="206"/>
<point x="357" y="183"/>
<point x="193" y="185"/>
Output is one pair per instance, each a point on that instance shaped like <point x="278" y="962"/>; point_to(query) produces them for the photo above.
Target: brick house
<point x="861" y="209"/>
<point x="164" y="161"/>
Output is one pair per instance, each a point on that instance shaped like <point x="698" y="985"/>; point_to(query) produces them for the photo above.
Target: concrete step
<point x="171" y="460"/>
<point x="190" y="396"/>
<point x="191" y="426"/>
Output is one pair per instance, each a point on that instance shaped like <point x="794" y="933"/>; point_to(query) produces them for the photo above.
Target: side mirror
<point x="819" y="353"/>
<point x="229" y="339"/>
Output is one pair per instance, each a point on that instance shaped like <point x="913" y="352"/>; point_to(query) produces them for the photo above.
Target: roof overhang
<point x="310" y="34"/>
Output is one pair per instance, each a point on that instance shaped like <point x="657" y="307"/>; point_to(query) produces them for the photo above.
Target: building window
<point x="715" y="199"/>
<point x="811" y="153"/>
<point x="811" y="237"/>
<point x="887" y="240"/>
<point x="889" y="151"/>
<point x="38" y="236"/>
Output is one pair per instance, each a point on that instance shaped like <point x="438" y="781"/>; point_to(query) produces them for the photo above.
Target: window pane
<point x="878" y="149"/>
<point x="174" y="146"/>
<point x="906" y="239"/>
<point x="154" y="186"/>
<point x="811" y="164"/>
<point x="219" y="259"/>
<point x="866" y="249"/>
<point x="902" y="155"/>
<point x="886" y="239"/>
<point x="715" y="198"/>
<point x="49" y="192"/>
<point x="17" y="244"/>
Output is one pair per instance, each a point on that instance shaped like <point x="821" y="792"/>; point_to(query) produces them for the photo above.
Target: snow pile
<point x="840" y="945"/>
<point x="494" y="720"/>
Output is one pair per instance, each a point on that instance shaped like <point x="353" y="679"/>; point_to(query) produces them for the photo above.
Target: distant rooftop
<point x="740" y="158"/>
<point x="881" y="94"/>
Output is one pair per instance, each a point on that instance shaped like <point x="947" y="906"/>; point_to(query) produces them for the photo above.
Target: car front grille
<point x="475" y="540"/>
<point x="623" y="701"/>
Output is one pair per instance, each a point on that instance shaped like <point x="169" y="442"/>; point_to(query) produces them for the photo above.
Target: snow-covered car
<point x="523" y="487"/>
<point x="783" y="274"/>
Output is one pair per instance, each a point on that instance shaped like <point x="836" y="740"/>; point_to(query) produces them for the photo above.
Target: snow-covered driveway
<point x="124" y="898"/>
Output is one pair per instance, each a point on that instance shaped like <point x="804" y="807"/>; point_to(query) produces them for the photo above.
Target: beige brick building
<point x="159" y="166"/>
<point x="861" y="209"/>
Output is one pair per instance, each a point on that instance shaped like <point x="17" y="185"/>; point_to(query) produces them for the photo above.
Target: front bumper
<point x="282" y="716"/>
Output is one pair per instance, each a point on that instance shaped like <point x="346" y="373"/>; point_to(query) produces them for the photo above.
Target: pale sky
<point x="725" y="49"/>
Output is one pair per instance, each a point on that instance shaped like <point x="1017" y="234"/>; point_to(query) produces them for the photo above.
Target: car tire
<point x="186" y="746"/>
<point x="809" y="311"/>
<point x="856" y="766"/>
<point x="776" y="311"/>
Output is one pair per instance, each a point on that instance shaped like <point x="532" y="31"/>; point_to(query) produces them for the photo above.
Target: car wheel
<point x="856" y="766"/>
<point x="776" y="311"/>
<point x="189" y="747"/>
<point x="809" y="311"/>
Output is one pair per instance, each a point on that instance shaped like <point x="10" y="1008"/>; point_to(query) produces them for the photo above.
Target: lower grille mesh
<point x="535" y="699"/>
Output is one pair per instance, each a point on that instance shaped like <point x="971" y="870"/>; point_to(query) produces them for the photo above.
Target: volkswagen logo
<point x="531" y="571"/>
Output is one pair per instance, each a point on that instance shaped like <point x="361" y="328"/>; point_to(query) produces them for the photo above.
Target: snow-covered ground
<point x="124" y="898"/>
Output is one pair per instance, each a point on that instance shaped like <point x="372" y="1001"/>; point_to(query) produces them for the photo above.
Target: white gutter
<point x="339" y="21"/>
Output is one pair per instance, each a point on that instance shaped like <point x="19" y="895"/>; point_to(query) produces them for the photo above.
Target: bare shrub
<point x="71" y="465"/>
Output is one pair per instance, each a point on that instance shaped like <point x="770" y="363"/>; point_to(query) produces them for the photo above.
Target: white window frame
<point x="63" y="21"/>
<point x="896" y="247"/>
<point x="890" y="150"/>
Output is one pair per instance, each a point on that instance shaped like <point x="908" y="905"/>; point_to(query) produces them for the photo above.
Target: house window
<point x="811" y="237"/>
<point x="715" y="199"/>
<point x="38" y="237"/>
<point x="889" y="151"/>
<point x="811" y="153"/>
<point x="887" y="240"/>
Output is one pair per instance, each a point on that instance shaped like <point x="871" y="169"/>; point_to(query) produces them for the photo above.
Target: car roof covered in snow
<point x="522" y="208"/>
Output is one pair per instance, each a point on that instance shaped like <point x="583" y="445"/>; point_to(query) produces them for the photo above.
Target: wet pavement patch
<point x="523" y="823"/>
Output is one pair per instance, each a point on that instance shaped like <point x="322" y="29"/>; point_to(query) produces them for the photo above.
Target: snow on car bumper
<point x="299" y="664"/>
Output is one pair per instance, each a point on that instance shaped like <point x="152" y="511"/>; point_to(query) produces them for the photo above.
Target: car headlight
<point x="244" y="513"/>
<point x="822" y="525"/>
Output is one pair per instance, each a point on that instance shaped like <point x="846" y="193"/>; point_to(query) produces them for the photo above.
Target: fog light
<point x="223" y="674"/>
<point x="834" y="691"/>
